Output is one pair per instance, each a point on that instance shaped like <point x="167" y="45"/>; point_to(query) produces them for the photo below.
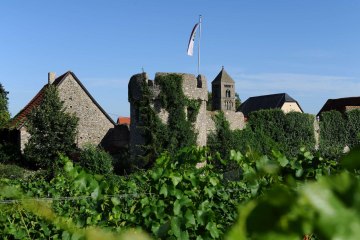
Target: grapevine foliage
<point x="277" y="195"/>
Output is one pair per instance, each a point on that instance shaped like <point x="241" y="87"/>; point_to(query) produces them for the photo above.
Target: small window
<point x="228" y="93"/>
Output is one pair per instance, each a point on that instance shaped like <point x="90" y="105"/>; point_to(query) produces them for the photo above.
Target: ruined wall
<point x="134" y="96"/>
<point x="93" y="124"/>
<point x="194" y="88"/>
<point x="235" y="119"/>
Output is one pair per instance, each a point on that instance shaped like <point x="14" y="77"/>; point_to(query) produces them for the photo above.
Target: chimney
<point x="51" y="77"/>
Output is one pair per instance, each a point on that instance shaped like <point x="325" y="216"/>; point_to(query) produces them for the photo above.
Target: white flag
<point x="190" y="49"/>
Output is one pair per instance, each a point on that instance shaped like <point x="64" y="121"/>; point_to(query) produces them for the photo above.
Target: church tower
<point x="223" y="92"/>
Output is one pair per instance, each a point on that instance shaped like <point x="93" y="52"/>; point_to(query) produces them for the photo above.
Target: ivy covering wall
<point x="333" y="133"/>
<point x="285" y="132"/>
<point x="266" y="130"/>
<point x="339" y="130"/>
<point x="178" y="132"/>
<point x="353" y="127"/>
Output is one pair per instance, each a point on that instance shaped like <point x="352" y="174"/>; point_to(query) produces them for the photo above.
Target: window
<point x="228" y="93"/>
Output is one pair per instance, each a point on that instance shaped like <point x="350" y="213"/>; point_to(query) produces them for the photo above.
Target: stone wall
<point x="134" y="96"/>
<point x="24" y="138"/>
<point x="235" y="119"/>
<point x="201" y="125"/>
<point x="194" y="88"/>
<point x="93" y="124"/>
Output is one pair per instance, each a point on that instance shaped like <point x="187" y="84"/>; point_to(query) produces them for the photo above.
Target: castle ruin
<point x="194" y="88"/>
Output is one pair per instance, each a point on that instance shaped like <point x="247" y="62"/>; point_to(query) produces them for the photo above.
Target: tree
<point x="209" y="103"/>
<point x="4" y="111"/>
<point x="221" y="140"/>
<point x="96" y="160"/>
<point x="237" y="101"/>
<point x="52" y="131"/>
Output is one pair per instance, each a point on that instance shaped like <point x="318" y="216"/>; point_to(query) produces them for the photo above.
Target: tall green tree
<point x="52" y="131"/>
<point x="222" y="139"/>
<point x="237" y="101"/>
<point x="209" y="102"/>
<point x="4" y="111"/>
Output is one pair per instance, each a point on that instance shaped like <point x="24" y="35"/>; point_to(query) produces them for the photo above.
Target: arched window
<point x="228" y="93"/>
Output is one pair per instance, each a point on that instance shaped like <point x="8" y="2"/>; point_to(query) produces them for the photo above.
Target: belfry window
<point x="227" y="94"/>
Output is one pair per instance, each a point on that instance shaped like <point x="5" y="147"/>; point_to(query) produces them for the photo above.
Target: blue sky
<point x="308" y="49"/>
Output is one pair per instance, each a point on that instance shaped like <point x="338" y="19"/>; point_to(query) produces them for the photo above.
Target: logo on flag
<point x="190" y="49"/>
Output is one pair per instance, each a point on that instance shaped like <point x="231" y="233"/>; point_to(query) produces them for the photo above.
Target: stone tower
<point x="194" y="88"/>
<point x="223" y="92"/>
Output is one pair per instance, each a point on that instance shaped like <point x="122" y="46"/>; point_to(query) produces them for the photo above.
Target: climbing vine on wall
<point x="182" y="113"/>
<point x="181" y="129"/>
<point x="151" y="128"/>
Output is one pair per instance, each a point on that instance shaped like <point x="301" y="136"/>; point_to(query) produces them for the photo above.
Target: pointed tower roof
<point x="223" y="76"/>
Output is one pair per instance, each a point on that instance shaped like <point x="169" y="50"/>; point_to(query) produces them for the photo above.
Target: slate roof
<point x="223" y="76"/>
<point x="19" y="119"/>
<point x="265" y="102"/>
<point x="340" y="104"/>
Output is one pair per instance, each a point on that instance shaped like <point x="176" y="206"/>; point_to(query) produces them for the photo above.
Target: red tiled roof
<point x="20" y="118"/>
<point x="123" y="120"/>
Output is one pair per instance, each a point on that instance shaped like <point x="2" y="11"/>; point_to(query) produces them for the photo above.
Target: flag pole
<point x="199" y="45"/>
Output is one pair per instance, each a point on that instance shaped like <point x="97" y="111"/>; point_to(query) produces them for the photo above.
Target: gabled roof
<point x="265" y="102"/>
<point x="19" y="119"/>
<point x="223" y="76"/>
<point x="123" y="120"/>
<point x="340" y="104"/>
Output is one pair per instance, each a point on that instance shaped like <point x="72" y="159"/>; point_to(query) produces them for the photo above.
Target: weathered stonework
<point x="24" y="138"/>
<point x="93" y="124"/>
<point x="235" y="119"/>
<point x="194" y="88"/>
<point x="223" y="92"/>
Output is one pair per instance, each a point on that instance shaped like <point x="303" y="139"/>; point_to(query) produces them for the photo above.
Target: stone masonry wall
<point x="193" y="88"/>
<point x="235" y="119"/>
<point x="93" y="124"/>
<point x="196" y="88"/>
<point x="24" y="138"/>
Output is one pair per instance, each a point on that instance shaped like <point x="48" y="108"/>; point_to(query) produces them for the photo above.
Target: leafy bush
<point x="333" y="134"/>
<point x="10" y="153"/>
<point x="314" y="210"/>
<point x="122" y="162"/>
<point x="353" y="127"/>
<point x="270" y="123"/>
<point x="4" y="111"/>
<point x="13" y="171"/>
<point x="96" y="160"/>
<point x="299" y="132"/>
<point x="266" y="130"/>
<point x="222" y="140"/>
<point x="174" y="200"/>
